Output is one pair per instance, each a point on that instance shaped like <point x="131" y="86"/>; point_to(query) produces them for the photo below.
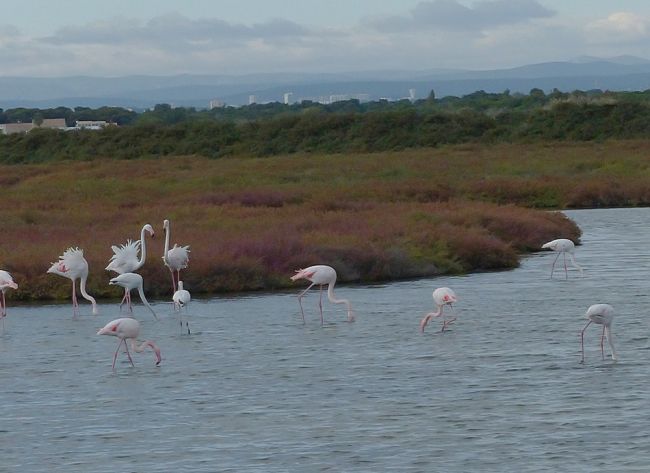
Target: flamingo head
<point x="165" y="225"/>
<point x="58" y="268"/>
<point x="149" y="228"/>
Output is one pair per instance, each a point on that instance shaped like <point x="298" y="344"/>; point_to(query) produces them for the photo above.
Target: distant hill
<point x="139" y="92"/>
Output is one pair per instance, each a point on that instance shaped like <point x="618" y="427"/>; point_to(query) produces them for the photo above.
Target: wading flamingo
<point x="441" y="297"/>
<point x="73" y="265"/>
<point x="181" y="299"/>
<point x="176" y="258"/>
<point x="130" y="281"/>
<point x="321" y="275"/>
<point x="601" y="314"/>
<point x="563" y="247"/>
<point x="6" y="282"/>
<point x="125" y="257"/>
<point x="128" y="329"/>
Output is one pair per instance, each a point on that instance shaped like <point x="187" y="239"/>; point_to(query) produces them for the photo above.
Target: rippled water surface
<point x="253" y="389"/>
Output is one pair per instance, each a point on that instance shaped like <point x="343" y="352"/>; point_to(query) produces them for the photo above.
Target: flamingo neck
<point x="145" y="302"/>
<point x="334" y="300"/>
<point x="143" y="249"/>
<point x="88" y="297"/>
<point x="167" y="232"/>
<point x="147" y="343"/>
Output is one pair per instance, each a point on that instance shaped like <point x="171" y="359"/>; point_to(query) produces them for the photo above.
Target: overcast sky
<point x="166" y="37"/>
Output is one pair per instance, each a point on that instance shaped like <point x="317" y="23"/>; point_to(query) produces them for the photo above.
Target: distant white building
<point x="55" y="123"/>
<point x="90" y="124"/>
<point x="216" y="104"/>
<point x="252" y="99"/>
<point x="287" y="97"/>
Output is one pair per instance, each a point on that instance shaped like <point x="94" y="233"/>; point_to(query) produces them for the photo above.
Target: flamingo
<point x="181" y="299"/>
<point x="131" y="281"/>
<point x="442" y="296"/>
<point x="125" y="257"/>
<point x="564" y="247"/>
<point x="128" y="329"/>
<point x="321" y="275"/>
<point x="6" y="282"/>
<point x="601" y="314"/>
<point x="176" y="258"/>
<point x="73" y="265"/>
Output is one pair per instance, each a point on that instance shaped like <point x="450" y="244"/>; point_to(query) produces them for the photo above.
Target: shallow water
<point x="253" y="389"/>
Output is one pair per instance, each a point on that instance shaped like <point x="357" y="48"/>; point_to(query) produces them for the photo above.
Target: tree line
<point x="343" y="127"/>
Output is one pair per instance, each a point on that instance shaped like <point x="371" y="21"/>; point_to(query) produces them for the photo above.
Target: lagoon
<point x="253" y="389"/>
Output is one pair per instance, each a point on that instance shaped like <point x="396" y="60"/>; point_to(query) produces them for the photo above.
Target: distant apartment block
<point x="10" y="128"/>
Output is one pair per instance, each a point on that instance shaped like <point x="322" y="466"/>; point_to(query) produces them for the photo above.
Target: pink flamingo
<point x="601" y="314"/>
<point x="441" y="296"/>
<point x="125" y="257"/>
<point x="182" y="298"/>
<point x="176" y="258"/>
<point x="128" y="329"/>
<point x="321" y="275"/>
<point x="130" y="281"/>
<point x="73" y="265"/>
<point x="563" y="247"/>
<point x="6" y="282"/>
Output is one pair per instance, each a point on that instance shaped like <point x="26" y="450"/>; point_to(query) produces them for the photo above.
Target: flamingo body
<point x="442" y="296"/>
<point x="6" y="282"/>
<point x="128" y="329"/>
<point x="599" y="314"/>
<point x="321" y="275"/>
<point x="176" y="258"/>
<point x="563" y="247"/>
<point x="181" y="297"/>
<point x="73" y="265"/>
<point x="130" y="281"/>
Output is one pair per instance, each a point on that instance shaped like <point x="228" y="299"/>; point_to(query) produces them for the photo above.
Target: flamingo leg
<point x="117" y="350"/>
<point x="300" y="296"/>
<point x="173" y="281"/>
<point x="553" y="265"/>
<point x="4" y="306"/>
<point x="566" y="272"/>
<point x="602" y="344"/>
<point x="126" y="293"/>
<point x="126" y="345"/>
<point x="128" y="299"/>
<point x="320" y="304"/>
<point x="582" y="342"/>
<point x="75" y="303"/>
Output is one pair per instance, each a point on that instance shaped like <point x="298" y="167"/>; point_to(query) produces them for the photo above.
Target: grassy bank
<point x="250" y="222"/>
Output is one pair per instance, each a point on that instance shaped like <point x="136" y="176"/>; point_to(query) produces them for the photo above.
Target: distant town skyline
<point x="165" y="37"/>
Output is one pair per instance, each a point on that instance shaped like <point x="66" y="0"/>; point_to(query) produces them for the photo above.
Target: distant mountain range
<point x="140" y="92"/>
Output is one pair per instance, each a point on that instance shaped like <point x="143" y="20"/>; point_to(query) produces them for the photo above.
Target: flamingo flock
<point x="131" y="257"/>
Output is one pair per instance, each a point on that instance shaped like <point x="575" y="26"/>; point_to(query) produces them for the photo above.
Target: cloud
<point x="452" y="15"/>
<point x="173" y="29"/>
<point x="619" y="27"/>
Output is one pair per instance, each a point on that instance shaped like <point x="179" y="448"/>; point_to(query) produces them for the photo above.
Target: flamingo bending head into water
<point x="321" y="275"/>
<point x="128" y="329"/>
<point x="125" y="257"/>
<point x="176" y="258"/>
<point x="6" y="282"/>
<point x="600" y="314"/>
<point x="73" y="265"/>
<point x="563" y="247"/>
<point x="441" y="297"/>
<point x="130" y="281"/>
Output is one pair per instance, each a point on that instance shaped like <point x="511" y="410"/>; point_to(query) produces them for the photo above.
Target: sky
<point x="43" y="38"/>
